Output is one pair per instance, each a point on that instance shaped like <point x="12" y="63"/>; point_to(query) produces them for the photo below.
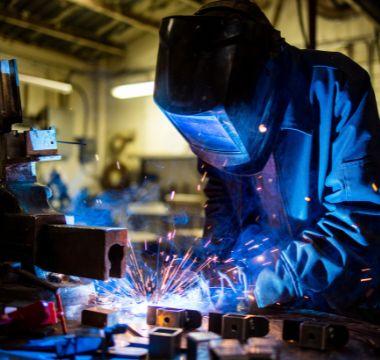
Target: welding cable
<point x="46" y="285"/>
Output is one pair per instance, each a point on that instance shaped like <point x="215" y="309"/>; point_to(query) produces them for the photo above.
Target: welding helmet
<point x="217" y="84"/>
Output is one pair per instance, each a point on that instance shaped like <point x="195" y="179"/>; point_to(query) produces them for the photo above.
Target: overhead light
<point x="64" y="88"/>
<point x="130" y="91"/>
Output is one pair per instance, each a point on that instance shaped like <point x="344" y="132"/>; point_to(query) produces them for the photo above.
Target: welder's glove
<point x="301" y="267"/>
<point x="274" y="284"/>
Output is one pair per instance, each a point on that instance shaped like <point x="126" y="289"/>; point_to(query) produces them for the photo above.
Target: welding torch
<point x="48" y="286"/>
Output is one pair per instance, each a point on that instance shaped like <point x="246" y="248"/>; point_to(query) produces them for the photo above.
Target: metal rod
<point x="61" y="313"/>
<point x="72" y="142"/>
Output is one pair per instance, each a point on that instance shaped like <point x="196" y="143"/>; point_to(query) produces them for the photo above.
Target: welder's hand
<point x="274" y="285"/>
<point x="229" y="288"/>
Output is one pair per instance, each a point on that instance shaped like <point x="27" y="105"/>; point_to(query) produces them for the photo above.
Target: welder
<point x="290" y="142"/>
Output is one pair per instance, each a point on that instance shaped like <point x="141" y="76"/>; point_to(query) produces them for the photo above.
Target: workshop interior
<point x="189" y="179"/>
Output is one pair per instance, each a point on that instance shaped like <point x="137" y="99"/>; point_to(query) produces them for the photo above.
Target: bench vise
<point x="32" y="232"/>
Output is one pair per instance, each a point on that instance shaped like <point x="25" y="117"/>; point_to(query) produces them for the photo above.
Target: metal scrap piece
<point x="99" y="317"/>
<point x="164" y="343"/>
<point x="183" y="318"/>
<point x="171" y="318"/>
<point x="242" y="327"/>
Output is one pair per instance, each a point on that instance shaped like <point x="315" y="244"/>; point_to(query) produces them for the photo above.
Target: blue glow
<point x="4" y="67"/>
<point x="210" y="131"/>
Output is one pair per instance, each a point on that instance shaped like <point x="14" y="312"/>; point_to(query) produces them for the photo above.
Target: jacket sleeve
<point x="221" y="227"/>
<point x="338" y="258"/>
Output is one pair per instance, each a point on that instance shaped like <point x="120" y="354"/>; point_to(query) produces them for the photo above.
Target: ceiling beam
<point x="127" y="18"/>
<point x="370" y="8"/>
<point x="16" y="48"/>
<point x="64" y="14"/>
<point x="62" y="35"/>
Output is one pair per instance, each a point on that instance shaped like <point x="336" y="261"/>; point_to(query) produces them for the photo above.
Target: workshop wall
<point x="350" y="36"/>
<point x="154" y="136"/>
<point x="153" y="132"/>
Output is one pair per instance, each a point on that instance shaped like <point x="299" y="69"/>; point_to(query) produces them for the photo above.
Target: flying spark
<point x="262" y="128"/>
<point x="204" y="177"/>
<point x="170" y="279"/>
<point x="260" y="259"/>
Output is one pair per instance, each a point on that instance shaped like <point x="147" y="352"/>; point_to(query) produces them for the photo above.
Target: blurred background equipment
<point x="33" y="234"/>
<point x="115" y="175"/>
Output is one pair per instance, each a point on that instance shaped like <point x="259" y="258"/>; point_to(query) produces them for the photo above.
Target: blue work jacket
<point x="327" y="161"/>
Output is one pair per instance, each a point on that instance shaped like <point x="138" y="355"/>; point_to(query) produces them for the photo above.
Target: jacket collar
<point x="298" y="115"/>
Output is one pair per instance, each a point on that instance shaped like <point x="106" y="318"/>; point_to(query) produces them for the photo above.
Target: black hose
<point x="301" y="22"/>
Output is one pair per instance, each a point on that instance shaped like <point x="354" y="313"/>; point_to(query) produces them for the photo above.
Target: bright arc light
<point x="62" y="87"/>
<point x="131" y="91"/>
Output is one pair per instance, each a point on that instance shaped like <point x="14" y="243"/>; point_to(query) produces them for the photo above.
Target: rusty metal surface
<point x="25" y="198"/>
<point x="33" y="233"/>
<point x="19" y="233"/>
<point x="99" y="317"/>
<point x="15" y="145"/>
<point x="96" y="253"/>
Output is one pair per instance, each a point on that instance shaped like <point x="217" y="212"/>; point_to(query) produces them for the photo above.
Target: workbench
<point x="364" y="340"/>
